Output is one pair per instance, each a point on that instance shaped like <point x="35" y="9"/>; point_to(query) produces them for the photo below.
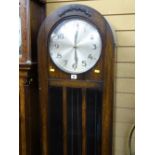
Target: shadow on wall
<point x="131" y="141"/>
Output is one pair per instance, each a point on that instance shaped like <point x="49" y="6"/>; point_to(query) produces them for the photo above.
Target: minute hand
<point x="75" y="46"/>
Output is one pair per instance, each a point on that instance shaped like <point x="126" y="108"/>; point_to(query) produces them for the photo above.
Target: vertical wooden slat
<point x="95" y="134"/>
<point x="84" y="132"/>
<point x="78" y="115"/>
<point x="43" y="91"/>
<point x="64" y="120"/>
<point x="72" y="122"/>
<point x="23" y="146"/>
<point x="107" y="94"/>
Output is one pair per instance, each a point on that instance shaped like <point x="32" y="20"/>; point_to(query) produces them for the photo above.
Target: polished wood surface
<point x="65" y="120"/>
<point x="102" y="81"/>
<point x="77" y="84"/>
<point x="32" y="14"/>
<point x="24" y="13"/>
<point x="84" y="130"/>
<point x="22" y="117"/>
<point x="108" y="93"/>
<point x="28" y="111"/>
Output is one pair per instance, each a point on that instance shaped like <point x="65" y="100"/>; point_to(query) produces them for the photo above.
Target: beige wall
<point x="120" y="14"/>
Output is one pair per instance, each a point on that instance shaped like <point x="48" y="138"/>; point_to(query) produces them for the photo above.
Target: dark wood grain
<point x="108" y="94"/>
<point x="64" y="120"/>
<point x="88" y="80"/>
<point x="76" y="83"/>
<point x="32" y="14"/>
<point x="84" y="131"/>
<point x="22" y="118"/>
<point x="28" y="111"/>
<point x="43" y="88"/>
<point x="24" y="13"/>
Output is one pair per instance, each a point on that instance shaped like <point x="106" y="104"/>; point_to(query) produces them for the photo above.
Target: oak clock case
<point x="31" y="15"/>
<point x="75" y="55"/>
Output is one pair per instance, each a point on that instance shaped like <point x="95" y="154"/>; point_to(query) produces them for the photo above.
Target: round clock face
<point x="75" y="46"/>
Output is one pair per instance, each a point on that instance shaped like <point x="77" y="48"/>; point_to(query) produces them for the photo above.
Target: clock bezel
<point x="85" y="20"/>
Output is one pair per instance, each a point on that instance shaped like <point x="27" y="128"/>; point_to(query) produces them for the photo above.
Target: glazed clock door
<point x="76" y="53"/>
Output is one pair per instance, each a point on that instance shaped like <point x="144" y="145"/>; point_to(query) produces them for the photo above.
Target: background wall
<point x="120" y="14"/>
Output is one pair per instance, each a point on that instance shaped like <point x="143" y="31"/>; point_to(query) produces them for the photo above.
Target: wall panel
<point x="125" y="38"/>
<point x="103" y="6"/>
<point x="121" y="129"/>
<point x="122" y="22"/>
<point x="125" y="70"/>
<point x="125" y="85"/>
<point x="124" y="115"/>
<point x="125" y="54"/>
<point x="120" y="145"/>
<point x="125" y="100"/>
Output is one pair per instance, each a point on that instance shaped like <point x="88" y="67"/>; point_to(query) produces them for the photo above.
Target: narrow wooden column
<point x="84" y="133"/>
<point x="23" y="146"/>
<point x="64" y="121"/>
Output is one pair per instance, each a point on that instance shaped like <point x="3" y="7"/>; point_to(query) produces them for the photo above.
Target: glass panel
<point x="74" y="121"/>
<point x="94" y="102"/>
<point x="55" y="128"/>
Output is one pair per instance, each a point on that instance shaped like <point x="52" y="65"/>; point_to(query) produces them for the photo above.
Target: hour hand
<point x="76" y="59"/>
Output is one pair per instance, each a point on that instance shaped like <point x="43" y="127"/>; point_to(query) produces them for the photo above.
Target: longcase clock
<point x="31" y="15"/>
<point x="75" y="56"/>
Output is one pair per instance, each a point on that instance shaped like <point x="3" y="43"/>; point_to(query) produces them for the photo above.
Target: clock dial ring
<point x="84" y="43"/>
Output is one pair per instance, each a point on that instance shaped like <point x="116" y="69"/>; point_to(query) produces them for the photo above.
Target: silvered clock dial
<point x="75" y="45"/>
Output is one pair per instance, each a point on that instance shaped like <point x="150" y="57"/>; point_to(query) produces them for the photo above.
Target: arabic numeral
<point x="94" y="47"/>
<point x="59" y="55"/>
<point x="60" y="36"/>
<point x="90" y="56"/>
<point x="74" y="66"/>
<point x="56" y="46"/>
<point x="92" y="37"/>
<point x="84" y="63"/>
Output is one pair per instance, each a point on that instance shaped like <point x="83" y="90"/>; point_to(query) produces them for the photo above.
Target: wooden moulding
<point x="77" y="84"/>
<point x="28" y="109"/>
